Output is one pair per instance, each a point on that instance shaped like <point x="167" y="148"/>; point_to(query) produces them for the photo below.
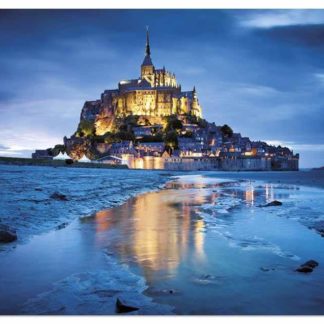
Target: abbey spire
<point x="147" y="59"/>
<point x="147" y="49"/>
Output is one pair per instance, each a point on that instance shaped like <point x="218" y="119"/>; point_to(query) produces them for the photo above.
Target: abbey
<point x="154" y="94"/>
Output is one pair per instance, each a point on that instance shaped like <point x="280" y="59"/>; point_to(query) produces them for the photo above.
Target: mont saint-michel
<point x="151" y="123"/>
<point x="154" y="189"/>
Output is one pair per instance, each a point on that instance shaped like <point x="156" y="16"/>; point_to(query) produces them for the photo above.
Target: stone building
<point x="154" y="94"/>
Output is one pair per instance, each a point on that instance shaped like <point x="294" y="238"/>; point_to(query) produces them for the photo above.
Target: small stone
<point x="61" y="226"/>
<point x="304" y="269"/>
<point x="273" y="203"/>
<point x="7" y="234"/>
<point x="320" y="231"/>
<point x="311" y="263"/>
<point x="123" y="308"/>
<point x="58" y="196"/>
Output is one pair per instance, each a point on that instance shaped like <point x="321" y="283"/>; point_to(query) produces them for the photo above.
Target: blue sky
<point x="260" y="71"/>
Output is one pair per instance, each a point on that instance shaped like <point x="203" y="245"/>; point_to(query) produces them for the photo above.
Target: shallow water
<point x="25" y="194"/>
<point x="202" y="245"/>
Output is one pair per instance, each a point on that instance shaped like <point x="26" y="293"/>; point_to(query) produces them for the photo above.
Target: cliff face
<point x="99" y="114"/>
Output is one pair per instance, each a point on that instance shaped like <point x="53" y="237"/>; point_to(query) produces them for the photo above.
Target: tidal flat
<point x="167" y="243"/>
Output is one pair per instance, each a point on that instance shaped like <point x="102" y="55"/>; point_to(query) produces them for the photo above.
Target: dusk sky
<point x="260" y="71"/>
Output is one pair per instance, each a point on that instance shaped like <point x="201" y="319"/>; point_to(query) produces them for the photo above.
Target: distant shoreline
<point x="309" y="178"/>
<point x="57" y="163"/>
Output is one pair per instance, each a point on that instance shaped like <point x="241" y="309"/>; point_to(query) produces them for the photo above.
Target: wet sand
<point x="202" y="245"/>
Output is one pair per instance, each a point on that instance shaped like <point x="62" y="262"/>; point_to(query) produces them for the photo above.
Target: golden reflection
<point x="199" y="239"/>
<point x="269" y="192"/>
<point x="157" y="230"/>
<point x="101" y="221"/>
<point x="249" y="194"/>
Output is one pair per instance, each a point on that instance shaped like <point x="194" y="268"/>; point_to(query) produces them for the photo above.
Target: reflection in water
<point x="210" y="241"/>
<point x="156" y="230"/>
<point x="159" y="230"/>
<point x="199" y="239"/>
<point x="269" y="192"/>
<point x="249" y="194"/>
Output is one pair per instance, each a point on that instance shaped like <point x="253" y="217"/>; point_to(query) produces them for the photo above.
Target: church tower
<point x="195" y="107"/>
<point x="147" y="67"/>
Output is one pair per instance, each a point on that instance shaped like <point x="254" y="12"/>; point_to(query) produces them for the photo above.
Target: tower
<point x="147" y="67"/>
<point x="195" y="107"/>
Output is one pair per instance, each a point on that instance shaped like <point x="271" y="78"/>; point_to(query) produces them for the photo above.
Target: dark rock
<point x="123" y="308"/>
<point x="319" y="227"/>
<point x="58" y="196"/>
<point x="61" y="226"/>
<point x="304" y="269"/>
<point x="69" y="161"/>
<point x="308" y="266"/>
<point x="273" y="203"/>
<point x="87" y="218"/>
<point x="311" y="263"/>
<point x="7" y="234"/>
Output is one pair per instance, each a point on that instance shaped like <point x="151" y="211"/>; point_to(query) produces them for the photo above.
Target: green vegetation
<point x="197" y="121"/>
<point x="127" y="123"/>
<point x="227" y="131"/>
<point x="85" y="128"/>
<point x="187" y="134"/>
<point x="56" y="150"/>
<point x="171" y="140"/>
<point x="173" y="124"/>
<point x="110" y="137"/>
<point x="152" y="138"/>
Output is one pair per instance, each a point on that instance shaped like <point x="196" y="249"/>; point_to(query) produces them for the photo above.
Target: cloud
<point x="281" y="18"/>
<point x="3" y="147"/>
<point x="309" y="147"/>
<point x="255" y="90"/>
<point x="23" y="142"/>
<point x="309" y="35"/>
<point x="193" y="71"/>
<point x="319" y="78"/>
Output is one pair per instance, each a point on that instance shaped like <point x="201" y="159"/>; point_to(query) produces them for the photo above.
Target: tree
<point x="173" y="123"/>
<point x="227" y="131"/>
<point x="86" y="128"/>
<point x="171" y="139"/>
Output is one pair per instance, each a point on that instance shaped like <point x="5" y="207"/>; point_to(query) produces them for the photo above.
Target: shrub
<point x="86" y="128"/>
<point x="173" y="123"/>
<point x="171" y="139"/>
<point x="227" y="131"/>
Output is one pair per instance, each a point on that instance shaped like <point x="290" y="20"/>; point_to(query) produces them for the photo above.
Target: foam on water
<point x="95" y="293"/>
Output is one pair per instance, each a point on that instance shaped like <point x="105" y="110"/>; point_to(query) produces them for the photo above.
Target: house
<point x="123" y="147"/>
<point x="42" y="154"/>
<point x="150" y="147"/>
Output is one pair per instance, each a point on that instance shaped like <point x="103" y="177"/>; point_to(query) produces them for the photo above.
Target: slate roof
<point x="147" y="60"/>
